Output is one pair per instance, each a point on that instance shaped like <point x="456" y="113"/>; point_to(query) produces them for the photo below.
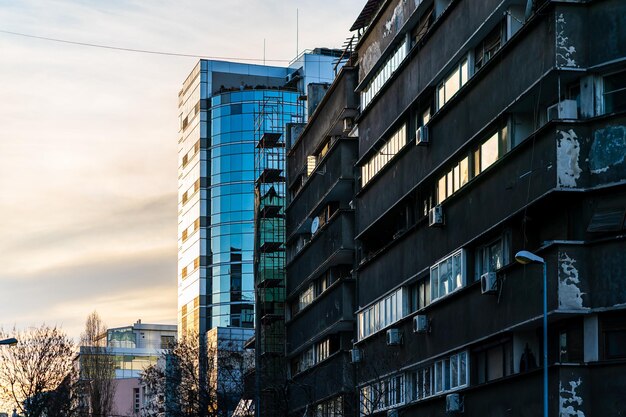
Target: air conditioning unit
<point x="435" y="216"/>
<point x="394" y="337"/>
<point x="293" y="76"/>
<point x="355" y="355"/>
<point x="392" y="413"/>
<point x="420" y="323"/>
<point x="454" y="403"/>
<point x="566" y="109"/>
<point x="489" y="283"/>
<point x="348" y="124"/>
<point x="421" y="136"/>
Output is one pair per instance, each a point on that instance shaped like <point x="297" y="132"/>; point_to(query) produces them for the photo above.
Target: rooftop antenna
<point x="263" y="51"/>
<point x="297" y="32"/>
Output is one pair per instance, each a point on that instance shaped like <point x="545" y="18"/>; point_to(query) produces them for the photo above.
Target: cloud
<point x="139" y="285"/>
<point x="88" y="143"/>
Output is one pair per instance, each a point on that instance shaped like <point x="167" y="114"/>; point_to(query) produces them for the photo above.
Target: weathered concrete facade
<point x="484" y="128"/>
<point x="320" y="256"/>
<point x="523" y="105"/>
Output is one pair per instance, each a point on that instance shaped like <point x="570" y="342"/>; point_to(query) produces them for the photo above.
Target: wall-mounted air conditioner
<point x="435" y="216"/>
<point x="394" y="337"/>
<point x="566" y="109"/>
<point x="489" y="283"/>
<point x="454" y="403"/>
<point x="420" y="323"/>
<point x="421" y="136"/>
<point x="355" y="355"/>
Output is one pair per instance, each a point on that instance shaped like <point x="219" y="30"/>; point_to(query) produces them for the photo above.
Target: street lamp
<point x="524" y="257"/>
<point x="11" y="341"/>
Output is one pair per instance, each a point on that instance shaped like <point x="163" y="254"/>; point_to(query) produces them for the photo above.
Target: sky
<point x="88" y="136"/>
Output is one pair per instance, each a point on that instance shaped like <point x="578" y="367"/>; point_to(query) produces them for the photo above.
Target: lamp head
<point x="524" y="257"/>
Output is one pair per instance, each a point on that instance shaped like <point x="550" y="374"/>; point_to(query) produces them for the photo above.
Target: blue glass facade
<point x="235" y="126"/>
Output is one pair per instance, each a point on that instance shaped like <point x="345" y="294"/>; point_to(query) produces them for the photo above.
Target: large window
<point x="389" y="149"/>
<point x="470" y="166"/>
<point x="315" y="354"/>
<point x="447" y="275"/>
<point x="387" y="393"/>
<point x="452" y="83"/>
<point x="381" y="314"/>
<point x="447" y="374"/>
<point x="384" y="73"/>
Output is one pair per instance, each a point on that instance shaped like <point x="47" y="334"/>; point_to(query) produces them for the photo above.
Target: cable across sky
<point x="142" y="51"/>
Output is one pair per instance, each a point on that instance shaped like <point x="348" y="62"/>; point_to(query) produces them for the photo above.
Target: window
<point x="330" y="408"/>
<point x="315" y="354"/>
<point x="420" y="295"/>
<point x="389" y="149"/>
<point x="167" y="342"/>
<point x="488" y="47"/>
<point x="136" y="400"/>
<point x="306" y="297"/>
<point x="387" y="393"/>
<point x="447" y="275"/>
<point x="493" y="362"/>
<point x="473" y="164"/>
<point x="453" y="180"/>
<point x="571" y="343"/>
<point x="447" y="374"/>
<point x="493" y="256"/>
<point x="491" y="150"/>
<point x="614" y="337"/>
<point x="381" y="314"/>
<point x="615" y="92"/>
<point x="384" y="73"/>
<point x="452" y="83"/>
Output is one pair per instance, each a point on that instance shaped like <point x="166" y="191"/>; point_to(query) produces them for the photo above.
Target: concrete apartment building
<point x="484" y="129"/>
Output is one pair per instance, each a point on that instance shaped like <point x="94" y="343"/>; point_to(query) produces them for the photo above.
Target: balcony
<point x="330" y="312"/>
<point x="332" y="180"/>
<point x="332" y="245"/>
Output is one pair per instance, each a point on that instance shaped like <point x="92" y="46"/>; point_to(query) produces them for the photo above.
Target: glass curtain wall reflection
<point x="234" y="126"/>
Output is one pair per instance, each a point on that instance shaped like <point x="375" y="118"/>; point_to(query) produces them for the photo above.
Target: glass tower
<point x="235" y="124"/>
<point x="220" y="104"/>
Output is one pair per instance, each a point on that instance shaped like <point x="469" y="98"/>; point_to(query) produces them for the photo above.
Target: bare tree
<point x="36" y="374"/>
<point x="195" y="380"/>
<point x="97" y="368"/>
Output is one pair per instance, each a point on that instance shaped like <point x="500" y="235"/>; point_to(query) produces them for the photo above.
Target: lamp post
<point x="524" y="257"/>
<point x="11" y="341"/>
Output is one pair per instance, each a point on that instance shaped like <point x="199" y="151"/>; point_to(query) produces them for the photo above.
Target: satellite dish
<point x="315" y="224"/>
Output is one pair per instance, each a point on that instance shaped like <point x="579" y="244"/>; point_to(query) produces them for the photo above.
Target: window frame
<point x="463" y="273"/>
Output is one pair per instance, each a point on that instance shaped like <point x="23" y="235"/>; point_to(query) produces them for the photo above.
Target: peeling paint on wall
<point x="564" y="50"/>
<point x="370" y="56"/>
<point x="567" y="155"/>
<point x="607" y="149"/>
<point x="396" y="20"/>
<point x="570" y="295"/>
<point x="569" y="401"/>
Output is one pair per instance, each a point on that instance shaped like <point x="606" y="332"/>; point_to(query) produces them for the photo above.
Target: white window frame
<point x="382" y="313"/>
<point x="434" y="286"/>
